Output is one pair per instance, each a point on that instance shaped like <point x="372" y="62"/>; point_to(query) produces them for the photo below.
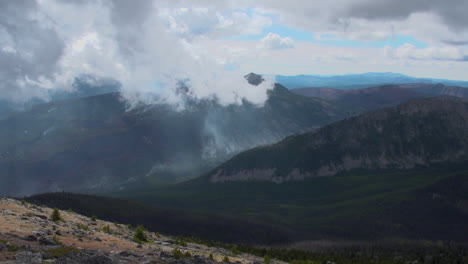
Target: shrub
<point x="267" y="259"/>
<point x="211" y="257"/>
<point x="177" y="254"/>
<point x="140" y="236"/>
<point x="106" y="229"/>
<point x="93" y="218"/>
<point x="226" y="259"/>
<point x="56" y="240"/>
<point x="83" y="227"/>
<point x="55" y="216"/>
<point x="61" y="251"/>
<point x="180" y="241"/>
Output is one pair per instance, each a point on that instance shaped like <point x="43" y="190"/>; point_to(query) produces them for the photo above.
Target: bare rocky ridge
<point x="28" y="235"/>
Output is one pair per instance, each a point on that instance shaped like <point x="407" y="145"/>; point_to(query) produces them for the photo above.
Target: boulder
<point x="30" y="238"/>
<point x="46" y="241"/>
<point x="3" y="247"/>
<point x="89" y="258"/>
<point x="26" y="257"/>
<point x="131" y="253"/>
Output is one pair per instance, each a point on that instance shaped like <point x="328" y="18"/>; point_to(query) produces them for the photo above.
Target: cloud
<point x="46" y="45"/>
<point x="275" y="41"/>
<point x="207" y="21"/>
<point x="29" y="51"/>
<point x="370" y="20"/>
<point x="147" y="46"/>
<point x="409" y="51"/>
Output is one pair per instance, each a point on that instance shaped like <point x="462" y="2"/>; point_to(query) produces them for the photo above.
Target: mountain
<point x="420" y="132"/>
<point x="398" y="172"/>
<point x="437" y="89"/>
<point x="79" y="238"/>
<point x="62" y="236"/>
<point x="97" y="144"/>
<point x="166" y="220"/>
<point x="254" y="79"/>
<point x="85" y="86"/>
<point x="358" y="81"/>
<point x="385" y="95"/>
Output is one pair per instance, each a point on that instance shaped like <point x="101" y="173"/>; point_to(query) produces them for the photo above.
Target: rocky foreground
<point x="28" y="235"/>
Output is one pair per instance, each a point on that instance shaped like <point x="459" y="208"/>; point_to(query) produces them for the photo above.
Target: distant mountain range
<point x="96" y="144"/>
<point x="419" y="133"/>
<point x="385" y="95"/>
<point x="358" y="81"/>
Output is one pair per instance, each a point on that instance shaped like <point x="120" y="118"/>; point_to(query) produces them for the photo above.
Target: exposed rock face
<point x="422" y="132"/>
<point x="254" y="79"/>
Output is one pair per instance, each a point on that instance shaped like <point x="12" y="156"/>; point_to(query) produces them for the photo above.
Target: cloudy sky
<point x="148" y="45"/>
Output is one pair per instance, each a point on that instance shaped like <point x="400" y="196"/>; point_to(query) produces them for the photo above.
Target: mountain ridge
<point x="384" y="95"/>
<point x="358" y="81"/>
<point x="97" y="144"/>
<point x="412" y="134"/>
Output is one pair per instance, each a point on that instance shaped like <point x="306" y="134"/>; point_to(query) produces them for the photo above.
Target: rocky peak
<point x="254" y="79"/>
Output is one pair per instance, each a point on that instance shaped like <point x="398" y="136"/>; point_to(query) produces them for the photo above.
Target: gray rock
<point x="131" y="253"/>
<point x="200" y="260"/>
<point x="165" y="255"/>
<point x="40" y="234"/>
<point x="46" y="255"/>
<point x="3" y="247"/>
<point x="30" y="238"/>
<point x="89" y="258"/>
<point x="46" y="241"/>
<point x="27" y="257"/>
<point x="43" y="217"/>
<point x="26" y="247"/>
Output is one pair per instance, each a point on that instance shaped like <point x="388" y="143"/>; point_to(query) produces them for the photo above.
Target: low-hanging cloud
<point x="58" y="41"/>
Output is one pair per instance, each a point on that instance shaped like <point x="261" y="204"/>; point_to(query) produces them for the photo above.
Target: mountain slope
<point x="381" y="96"/>
<point x="398" y="172"/>
<point x="28" y="235"/>
<point x="96" y="144"/>
<point x="370" y="98"/>
<point x="421" y="132"/>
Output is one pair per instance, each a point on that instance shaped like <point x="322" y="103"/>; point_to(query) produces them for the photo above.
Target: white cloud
<point x="409" y="51"/>
<point x="147" y="46"/>
<point x="127" y="42"/>
<point x="207" y="21"/>
<point x="275" y="41"/>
